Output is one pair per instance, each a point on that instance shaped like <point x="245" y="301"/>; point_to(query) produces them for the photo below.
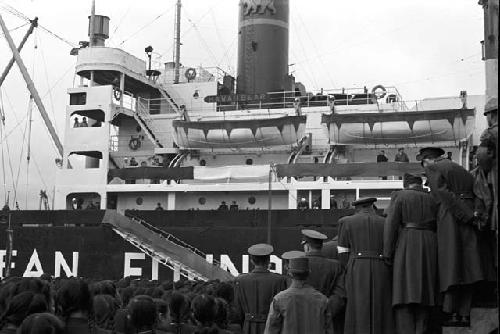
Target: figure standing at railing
<point x="76" y="124"/>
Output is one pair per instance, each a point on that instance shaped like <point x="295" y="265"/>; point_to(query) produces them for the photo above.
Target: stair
<point x="298" y="151"/>
<point x="165" y="248"/>
<point x="483" y="321"/>
<point x="143" y="118"/>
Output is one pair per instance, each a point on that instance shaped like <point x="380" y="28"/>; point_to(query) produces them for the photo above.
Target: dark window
<point x="249" y="162"/>
<point x="77" y="98"/>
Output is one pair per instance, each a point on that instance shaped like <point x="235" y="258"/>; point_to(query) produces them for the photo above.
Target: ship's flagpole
<point x="269" y="204"/>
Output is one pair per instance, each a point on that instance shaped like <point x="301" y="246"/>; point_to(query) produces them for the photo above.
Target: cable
<point x="14" y="29"/>
<point x="15" y="12"/>
<point x="146" y="25"/>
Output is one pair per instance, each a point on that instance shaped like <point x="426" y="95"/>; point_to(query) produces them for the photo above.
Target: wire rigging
<point x="147" y="25"/>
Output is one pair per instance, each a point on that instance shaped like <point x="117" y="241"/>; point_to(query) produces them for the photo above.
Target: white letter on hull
<point x="59" y="262"/>
<point x="34" y="262"/>
<point x="278" y="262"/>
<point x="226" y="263"/>
<point x="129" y="271"/>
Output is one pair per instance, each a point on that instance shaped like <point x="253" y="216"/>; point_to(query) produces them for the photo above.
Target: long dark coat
<point x="254" y="293"/>
<point x="327" y="276"/>
<point x="415" y="272"/>
<point x="368" y="281"/>
<point x="459" y="259"/>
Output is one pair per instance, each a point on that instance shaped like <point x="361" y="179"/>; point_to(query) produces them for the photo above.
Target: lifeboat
<point x="239" y="133"/>
<point x="399" y="128"/>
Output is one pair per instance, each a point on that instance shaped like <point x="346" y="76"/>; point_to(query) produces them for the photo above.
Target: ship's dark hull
<point x="101" y="253"/>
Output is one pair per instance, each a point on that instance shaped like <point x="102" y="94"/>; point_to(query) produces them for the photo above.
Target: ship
<point x="177" y="170"/>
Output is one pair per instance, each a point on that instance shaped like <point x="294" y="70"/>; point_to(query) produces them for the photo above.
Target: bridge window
<point x="78" y="98"/>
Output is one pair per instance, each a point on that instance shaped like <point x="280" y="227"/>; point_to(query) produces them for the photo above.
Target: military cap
<point x="292" y="254"/>
<point x="409" y="178"/>
<point x="298" y="265"/>
<point x="312" y="234"/>
<point x="491" y="106"/>
<point x="260" y="250"/>
<point x="429" y="152"/>
<point x="365" y="200"/>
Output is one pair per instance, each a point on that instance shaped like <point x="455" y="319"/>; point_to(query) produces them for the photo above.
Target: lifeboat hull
<point x="399" y="128"/>
<point x="250" y="133"/>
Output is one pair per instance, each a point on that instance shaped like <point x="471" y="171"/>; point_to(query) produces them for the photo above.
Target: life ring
<point x="134" y="144"/>
<point x="379" y="95"/>
<point x="190" y="74"/>
<point x="117" y="94"/>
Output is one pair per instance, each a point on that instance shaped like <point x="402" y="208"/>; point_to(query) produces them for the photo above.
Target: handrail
<point x="168" y="236"/>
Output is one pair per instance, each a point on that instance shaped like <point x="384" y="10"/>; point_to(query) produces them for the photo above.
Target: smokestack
<point x="263" y="46"/>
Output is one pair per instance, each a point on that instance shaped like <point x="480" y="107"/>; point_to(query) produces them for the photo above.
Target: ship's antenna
<point x="92" y="26"/>
<point x="177" y="42"/>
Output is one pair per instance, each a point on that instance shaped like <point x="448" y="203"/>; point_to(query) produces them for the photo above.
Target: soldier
<point x="300" y="308"/>
<point x="410" y="244"/>
<point x="487" y="159"/>
<point x="286" y="256"/>
<point x="254" y="291"/>
<point x="326" y="275"/>
<point x="458" y="248"/>
<point x="330" y="248"/>
<point x="368" y="278"/>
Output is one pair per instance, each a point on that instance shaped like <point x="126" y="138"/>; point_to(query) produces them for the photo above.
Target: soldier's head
<point x="287" y="256"/>
<point x="428" y="155"/>
<point x="298" y="268"/>
<point x="412" y="181"/>
<point x="364" y="204"/>
<point x="491" y="111"/>
<point x="312" y="240"/>
<point x="260" y="255"/>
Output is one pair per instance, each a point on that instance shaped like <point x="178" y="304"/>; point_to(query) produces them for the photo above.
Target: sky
<point x="425" y="48"/>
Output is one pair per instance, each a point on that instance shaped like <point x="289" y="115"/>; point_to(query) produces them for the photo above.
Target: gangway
<point x="165" y="248"/>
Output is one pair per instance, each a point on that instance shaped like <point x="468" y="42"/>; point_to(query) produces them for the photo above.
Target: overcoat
<point x="368" y="279"/>
<point x="410" y="239"/>
<point x="459" y="258"/>
<point x="254" y="293"/>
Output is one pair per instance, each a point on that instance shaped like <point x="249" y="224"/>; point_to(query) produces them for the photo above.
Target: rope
<point x="15" y="12"/>
<point x="146" y="25"/>
<point x="8" y="150"/>
<point x="49" y="92"/>
<point x="3" y="154"/>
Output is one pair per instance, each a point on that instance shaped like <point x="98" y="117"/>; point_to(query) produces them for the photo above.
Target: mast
<point x="31" y="87"/>
<point x="177" y="41"/>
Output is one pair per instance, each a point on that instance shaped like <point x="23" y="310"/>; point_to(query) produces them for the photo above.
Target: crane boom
<point x="34" y="24"/>
<point x="32" y="89"/>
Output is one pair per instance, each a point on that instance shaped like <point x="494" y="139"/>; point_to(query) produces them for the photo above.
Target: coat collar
<point x="259" y="271"/>
<point x="314" y="253"/>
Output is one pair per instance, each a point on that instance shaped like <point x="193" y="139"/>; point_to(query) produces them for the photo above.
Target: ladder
<point x="143" y="118"/>
<point x="165" y="248"/>
<point x="298" y="151"/>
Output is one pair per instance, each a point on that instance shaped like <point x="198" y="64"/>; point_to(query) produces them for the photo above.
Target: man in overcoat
<point x="368" y="279"/>
<point x="255" y="291"/>
<point x="300" y="308"/>
<point x="326" y="275"/>
<point x="410" y="243"/>
<point x="459" y="259"/>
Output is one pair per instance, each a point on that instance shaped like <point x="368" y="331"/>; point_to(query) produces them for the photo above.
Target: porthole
<point x="139" y="200"/>
<point x="203" y="162"/>
<point x="202" y="200"/>
<point x="251" y="200"/>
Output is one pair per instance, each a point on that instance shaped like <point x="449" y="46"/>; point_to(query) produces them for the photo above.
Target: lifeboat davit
<point x="239" y="133"/>
<point x="399" y="128"/>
